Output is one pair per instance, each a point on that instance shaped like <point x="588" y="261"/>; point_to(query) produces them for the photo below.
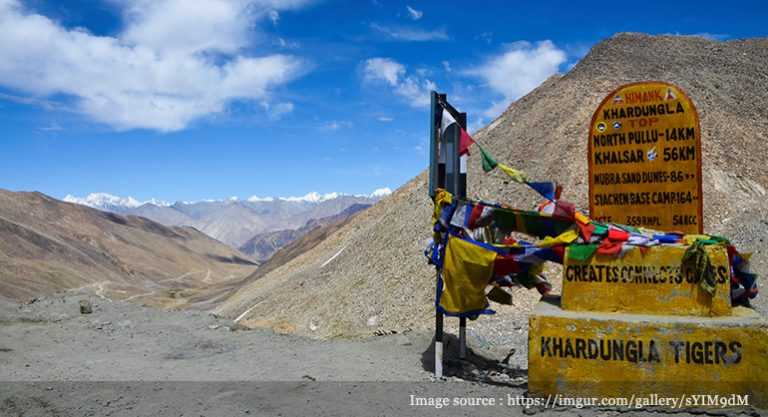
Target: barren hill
<point x="371" y="273"/>
<point x="262" y="246"/>
<point x="47" y="245"/>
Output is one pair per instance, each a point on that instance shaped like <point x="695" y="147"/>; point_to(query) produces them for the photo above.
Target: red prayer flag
<point x="465" y="141"/>
<point x="586" y="230"/>
<point x="618" y="235"/>
<point x="505" y="266"/>
<point x="477" y="211"/>
<point x="609" y="247"/>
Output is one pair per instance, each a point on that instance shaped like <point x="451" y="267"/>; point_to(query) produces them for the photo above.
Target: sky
<point x="184" y="100"/>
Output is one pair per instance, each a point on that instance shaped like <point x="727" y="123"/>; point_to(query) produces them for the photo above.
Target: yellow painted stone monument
<point x="636" y="324"/>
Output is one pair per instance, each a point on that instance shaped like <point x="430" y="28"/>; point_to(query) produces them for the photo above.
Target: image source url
<point x="558" y="400"/>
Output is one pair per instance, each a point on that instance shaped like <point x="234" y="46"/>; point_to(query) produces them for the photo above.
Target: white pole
<point x="438" y="344"/>
<point x="462" y="338"/>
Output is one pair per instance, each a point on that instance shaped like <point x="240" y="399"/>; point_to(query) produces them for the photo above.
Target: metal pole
<point x="447" y="169"/>
<point x="436" y="179"/>
<point x="461" y="192"/>
<point x="433" y="145"/>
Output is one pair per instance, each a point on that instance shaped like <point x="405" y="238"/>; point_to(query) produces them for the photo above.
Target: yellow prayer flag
<point x="566" y="237"/>
<point x="516" y="175"/>
<point x="467" y="269"/>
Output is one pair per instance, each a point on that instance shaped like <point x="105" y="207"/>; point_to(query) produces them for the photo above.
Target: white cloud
<point x="278" y="110"/>
<point x="447" y="66"/>
<point x="336" y="125"/>
<point x="52" y="127"/>
<point x="381" y="192"/>
<point x="485" y="36"/>
<point x="283" y="43"/>
<point x="274" y="16"/>
<point x="410" y="34"/>
<point x="412" y="88"/>
<point x="413" y="13"/>
<point x="385" y="119"/>
<point x="155" y="74"/>
<point x="518" y="70"/>
<point x="495" y="109"/>
<point x="385" y="69"/>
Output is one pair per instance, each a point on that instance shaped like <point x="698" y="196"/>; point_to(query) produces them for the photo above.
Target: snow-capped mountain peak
<point x="313" y="197"/>
<point x="102" y="200"/>
<point x="107" y="201"/>
<point x="257" y="199"/>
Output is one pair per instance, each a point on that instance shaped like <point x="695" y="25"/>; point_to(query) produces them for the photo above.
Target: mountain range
<point x="48" y="246"/>
<point x="234" y="221"/>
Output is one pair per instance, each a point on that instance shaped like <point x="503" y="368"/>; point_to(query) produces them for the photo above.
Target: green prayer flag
<point x="531" y="223"/>
<point x="600" y="229"/>
<point x="488" y="162"/>
<point x="581" y="252"/>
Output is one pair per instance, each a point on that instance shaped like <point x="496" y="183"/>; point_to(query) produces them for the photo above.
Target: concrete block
<point x="646" y="281"/>
<point x="615" y="354"/>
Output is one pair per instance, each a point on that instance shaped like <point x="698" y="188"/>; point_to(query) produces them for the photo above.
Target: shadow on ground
<point x="475" y="367"/>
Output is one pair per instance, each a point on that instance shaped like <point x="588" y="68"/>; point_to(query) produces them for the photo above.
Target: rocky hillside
<point x="371" y="274"/>
<point x="303" y="244"/>
<point x="262" y="246"/>
<point x="47" y="246"/>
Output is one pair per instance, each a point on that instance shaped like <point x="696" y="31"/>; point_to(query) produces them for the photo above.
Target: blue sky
<point x="190" y="100"/>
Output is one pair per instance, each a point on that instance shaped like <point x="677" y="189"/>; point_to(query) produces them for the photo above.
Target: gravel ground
<point x="129" y="360"/>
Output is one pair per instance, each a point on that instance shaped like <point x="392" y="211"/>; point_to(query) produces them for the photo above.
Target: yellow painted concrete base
<point x="613" y="354"/>
<point x="646" y="282"/>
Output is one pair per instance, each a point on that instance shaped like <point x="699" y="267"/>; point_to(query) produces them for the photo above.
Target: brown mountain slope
<point x="314" y="233"/>
<point x="264" y="245"/>
<point x="47" y="245"/>
<point x="378" y="277"/>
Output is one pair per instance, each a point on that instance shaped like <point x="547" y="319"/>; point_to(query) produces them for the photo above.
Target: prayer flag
<point x="488" y="162"/>
<point x="546" y="189"/>
<point x="516" y="175"/>
<point x="445" y="121"/>
<point x="465" y="141"/>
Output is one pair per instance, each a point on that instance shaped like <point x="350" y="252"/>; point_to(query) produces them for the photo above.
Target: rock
<point x="86" y="307"/>
<point x="237" y="327"/>
<point x="509" y="355"/>
<point x="372" y="321"/>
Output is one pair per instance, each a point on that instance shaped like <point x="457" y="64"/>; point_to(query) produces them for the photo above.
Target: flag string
<point x="546" y="189"/>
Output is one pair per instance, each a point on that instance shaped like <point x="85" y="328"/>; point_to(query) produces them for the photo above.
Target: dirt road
<point x="128" y="360"/>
